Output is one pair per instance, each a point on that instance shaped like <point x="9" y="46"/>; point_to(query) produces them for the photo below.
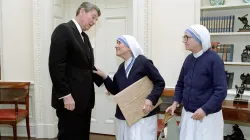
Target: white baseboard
<point x="46" y="130"/>
<point x="50" y="130"/>
<point x="7" y="130"/>
<point x="36" y="131"/>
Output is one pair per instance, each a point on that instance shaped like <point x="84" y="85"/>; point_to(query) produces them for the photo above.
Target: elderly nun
<point x="201" y="87"/>
<point x="134" y="67"/>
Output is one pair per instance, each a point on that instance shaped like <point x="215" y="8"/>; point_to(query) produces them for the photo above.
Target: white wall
<point x="26" y="31"/>
<point x="17" y="40"/>
<point x="168" y="26"/>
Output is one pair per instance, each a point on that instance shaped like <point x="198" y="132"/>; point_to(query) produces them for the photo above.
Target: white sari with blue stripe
<point x="146" y="128"/>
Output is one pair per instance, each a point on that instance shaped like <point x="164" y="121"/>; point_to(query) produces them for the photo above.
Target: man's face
<point x="88" y="19"/>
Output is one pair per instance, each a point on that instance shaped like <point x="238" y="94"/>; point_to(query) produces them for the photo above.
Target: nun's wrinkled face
<point x="190" y="43"/>
<point x="121" y="49"/>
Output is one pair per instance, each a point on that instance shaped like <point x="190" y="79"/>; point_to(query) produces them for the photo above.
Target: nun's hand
<point x="199" y="114"/>
<point x="147" y="106"/>
<point x="172" y="108"/>
<point x="100" y="73"/>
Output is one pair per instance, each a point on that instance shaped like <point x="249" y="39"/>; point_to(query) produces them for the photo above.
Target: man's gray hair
<point x="87" y="6"/>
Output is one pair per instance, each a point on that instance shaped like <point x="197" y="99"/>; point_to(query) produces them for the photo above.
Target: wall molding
<point x="142" y="16"/>
<point x="46" y="130"/>
<point x="1" y="41"/>
<point x="37" y="59"/>
<point x="146" y="27"/>
<point x="43" y="21"/>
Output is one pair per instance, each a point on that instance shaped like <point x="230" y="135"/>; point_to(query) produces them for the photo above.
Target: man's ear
<point x="82" y="10"/>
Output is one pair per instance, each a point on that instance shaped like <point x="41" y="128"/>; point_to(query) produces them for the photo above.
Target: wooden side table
<point x="236" y="113"/>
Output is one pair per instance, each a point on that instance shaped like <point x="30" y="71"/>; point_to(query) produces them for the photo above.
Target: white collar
<point x="196" y="55"/>
<point x="77" y="26"/>
<point x="127" y="62"/>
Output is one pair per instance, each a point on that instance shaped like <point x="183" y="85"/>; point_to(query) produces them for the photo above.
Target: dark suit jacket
<point x="71" y="64"/>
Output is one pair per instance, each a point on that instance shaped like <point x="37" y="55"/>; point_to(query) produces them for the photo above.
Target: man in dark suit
<point x="71" y="65"/>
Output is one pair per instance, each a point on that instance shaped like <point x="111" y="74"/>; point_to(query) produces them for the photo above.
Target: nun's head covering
<point x="201" y="35"/>
<point x="131" y="42"/>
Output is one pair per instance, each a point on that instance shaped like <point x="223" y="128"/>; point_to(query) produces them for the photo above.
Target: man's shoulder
<point x="63" y="26"/>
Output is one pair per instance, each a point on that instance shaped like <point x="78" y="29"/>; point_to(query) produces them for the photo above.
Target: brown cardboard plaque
<point x="131" y="100"/>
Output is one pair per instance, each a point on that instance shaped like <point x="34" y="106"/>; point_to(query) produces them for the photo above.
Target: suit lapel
<point x="83" y="46"/>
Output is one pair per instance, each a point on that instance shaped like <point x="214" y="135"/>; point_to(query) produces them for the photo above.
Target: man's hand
<point x="199" y="114"/>
<point x="69" y="103"/>
<point x="147" y="106"/>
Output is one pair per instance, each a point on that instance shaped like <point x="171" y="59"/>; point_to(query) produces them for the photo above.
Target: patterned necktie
<point x="83" y="36"/>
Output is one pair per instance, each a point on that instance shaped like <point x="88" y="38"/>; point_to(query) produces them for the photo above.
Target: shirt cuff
<point x="64" y="96"/>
